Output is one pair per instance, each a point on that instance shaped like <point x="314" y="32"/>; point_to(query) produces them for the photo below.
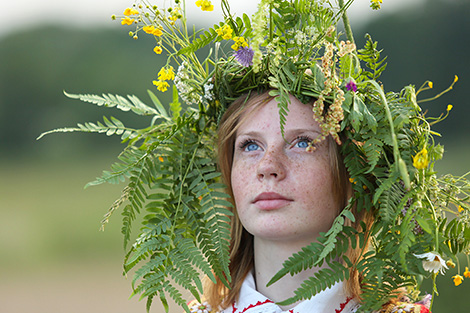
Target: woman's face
<point x="281" y="191"/>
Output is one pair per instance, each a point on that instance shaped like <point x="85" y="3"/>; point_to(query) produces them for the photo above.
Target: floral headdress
<point x="422" y="221"/>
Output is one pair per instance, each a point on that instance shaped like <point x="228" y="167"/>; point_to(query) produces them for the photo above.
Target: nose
<point x="271" y="166"/>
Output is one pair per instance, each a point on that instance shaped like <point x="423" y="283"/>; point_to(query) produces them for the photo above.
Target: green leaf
<point x="157" y="103"/>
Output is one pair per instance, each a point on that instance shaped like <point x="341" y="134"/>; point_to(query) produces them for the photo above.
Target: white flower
<point x="208" y="90"/>
<point x="201" y="308"/>
<point x="433" y="262"/>
<point x="300" y="38"/>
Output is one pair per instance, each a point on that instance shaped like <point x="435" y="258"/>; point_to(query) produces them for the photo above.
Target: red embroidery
<point x="235" y="310"/>
<point x="251" y="306"/>
<point x="343" y="305"/>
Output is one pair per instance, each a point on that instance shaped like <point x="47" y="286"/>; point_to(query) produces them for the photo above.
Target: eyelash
<point x="304" y="138"/>
<point x="246" y="142"/>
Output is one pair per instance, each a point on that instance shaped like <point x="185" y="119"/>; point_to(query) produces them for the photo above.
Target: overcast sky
<point x="23" y="14"/>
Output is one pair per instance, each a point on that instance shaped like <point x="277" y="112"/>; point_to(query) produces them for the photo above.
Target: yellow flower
<point x="375" y="4"/>
<point x="457" y="279"/>
<point x="129" y="11"/>
<point x="152" y="30"/>
<point x="148" y="29"/>
<point x="127" y="21"/>
<point x="466" y="273"/>
<point x="450" y="264"/>
<point x="421" y="159"/>
<point x="460" y="209"/>
<point x="430" y="85"/>
<point x="205" y="5"/>
<point x="239" y="42"/>
<point x="449" y="107"/>
<point x="225" y="32"/>
<point x="456" y="78"/>
<point x="158" y="50"/>
<point x="157" y="32"/>
<point x="160" y="159"/>
<point x="161" y="85"/>
<point x="166" y="73"/>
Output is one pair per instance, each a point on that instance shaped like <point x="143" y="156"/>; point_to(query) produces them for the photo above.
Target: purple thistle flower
<point x="244" y="55"/>
<point x="351" y="86"/>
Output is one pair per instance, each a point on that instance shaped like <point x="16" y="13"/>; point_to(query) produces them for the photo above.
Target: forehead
<point x="266" y="116"/>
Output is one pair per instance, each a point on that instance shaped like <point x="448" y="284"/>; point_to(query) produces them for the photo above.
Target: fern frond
<point x="110" y="128"/>
<point x="324" y="278"/>
<point x="203" y="40"/>
<point x="371" y="56"/>
<point x="117" y="101"/>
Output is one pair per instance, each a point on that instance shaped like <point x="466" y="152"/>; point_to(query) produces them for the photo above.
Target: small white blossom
<point x="311" y="31"/>
<point x="300" y="38"/>
<point x="208" y="90"/>
<point x="201" y="308"/>
<point x="186" y="92"/>
<point x="432" y="262"/>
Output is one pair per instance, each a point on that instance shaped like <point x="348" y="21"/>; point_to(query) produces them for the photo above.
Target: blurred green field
<point x="54" y="259"/>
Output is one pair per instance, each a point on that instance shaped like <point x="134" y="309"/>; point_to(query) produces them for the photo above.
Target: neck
<point x="268" y="257"/>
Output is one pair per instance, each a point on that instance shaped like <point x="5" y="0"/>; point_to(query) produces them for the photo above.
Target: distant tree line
<point x="431" y="43"/>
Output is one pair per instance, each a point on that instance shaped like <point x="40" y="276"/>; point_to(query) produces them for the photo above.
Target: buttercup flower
<point x="433" y="262"/>
<point x="466" y="273"/>
<point x="457" y="279"/>
<point x="421" y="159"/>
<point x="430" y="85"/>
<point x="450" y="263"/>
<point x="460" y="209"/>
<point x="205" y="5"/>
<point x="148" y="29"/>
<point x="157" y="50"/>
<point x="127" y="21"/>
<point x="449" y="107"/>
<point x="152" y="30"/>
<point x="244" y="55"/>
<point x="129" y="11"/>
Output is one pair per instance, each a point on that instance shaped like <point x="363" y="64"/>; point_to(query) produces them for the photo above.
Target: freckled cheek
<point x="240" y="181"/>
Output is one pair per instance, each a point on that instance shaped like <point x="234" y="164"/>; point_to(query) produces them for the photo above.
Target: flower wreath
<point x="422" y="221"/>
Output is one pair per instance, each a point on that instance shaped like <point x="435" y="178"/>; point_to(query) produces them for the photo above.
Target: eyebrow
<point x="288" y="132"/>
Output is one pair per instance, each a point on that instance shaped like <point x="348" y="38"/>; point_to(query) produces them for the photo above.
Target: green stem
<point x="271" y="22"/>
<point x="347" y="25"/>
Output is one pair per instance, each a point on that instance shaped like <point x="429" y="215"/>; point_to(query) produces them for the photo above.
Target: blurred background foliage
<point x="49" y="225"/>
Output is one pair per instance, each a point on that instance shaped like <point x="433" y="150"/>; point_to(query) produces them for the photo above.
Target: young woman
<point x="283" y="195"/>
<point x="291" y="158"/>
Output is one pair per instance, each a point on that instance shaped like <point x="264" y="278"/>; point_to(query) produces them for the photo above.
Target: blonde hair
<point x="241" y="242"/>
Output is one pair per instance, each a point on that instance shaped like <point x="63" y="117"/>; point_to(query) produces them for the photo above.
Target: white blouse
<point x="331" y="300"/>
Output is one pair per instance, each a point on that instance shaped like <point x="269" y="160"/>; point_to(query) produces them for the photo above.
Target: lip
<point x="271" y="201"/>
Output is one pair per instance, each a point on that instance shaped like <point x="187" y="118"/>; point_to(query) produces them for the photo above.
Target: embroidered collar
<point x="331" y="300"/>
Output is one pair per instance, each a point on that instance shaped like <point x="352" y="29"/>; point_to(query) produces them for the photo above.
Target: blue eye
<point x="302" y="143"/>
<point x="251" y="146"/>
